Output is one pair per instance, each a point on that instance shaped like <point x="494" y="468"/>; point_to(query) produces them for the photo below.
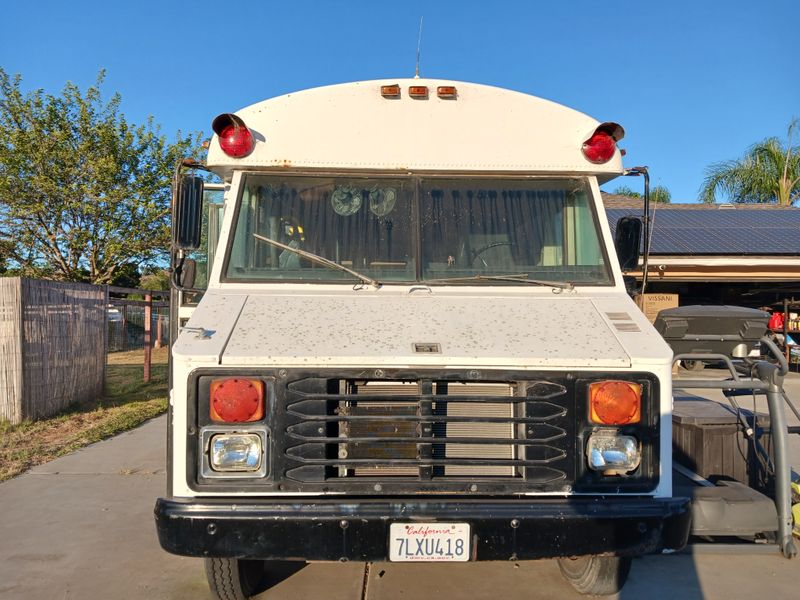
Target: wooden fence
<point x="52" y="346"/>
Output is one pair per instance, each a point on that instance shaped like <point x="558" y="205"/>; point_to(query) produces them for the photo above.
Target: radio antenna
<point x="419" y="43"/>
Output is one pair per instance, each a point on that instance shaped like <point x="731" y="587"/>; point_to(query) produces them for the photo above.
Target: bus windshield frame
<point x="412" y="229"/>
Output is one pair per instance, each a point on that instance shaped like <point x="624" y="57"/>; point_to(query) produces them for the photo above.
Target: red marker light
<point x="237" y="400"/>
<point x="599" y="148"/>
<point x="235" y="138"/>
<point x="602" y="144"/>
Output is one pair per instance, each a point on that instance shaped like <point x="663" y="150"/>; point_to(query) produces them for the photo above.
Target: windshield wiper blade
<point x="319" y="260"/>
<point x="522" y="278"/>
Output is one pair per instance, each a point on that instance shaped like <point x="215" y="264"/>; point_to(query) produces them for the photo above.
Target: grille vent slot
<point x="373" y="430"/>
<point x="623" y="322"/>
<point x="618" y="316"/>
<point x="627" y="327"/>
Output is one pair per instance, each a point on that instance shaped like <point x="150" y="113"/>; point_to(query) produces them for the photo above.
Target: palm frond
<point x="768" y="172"/>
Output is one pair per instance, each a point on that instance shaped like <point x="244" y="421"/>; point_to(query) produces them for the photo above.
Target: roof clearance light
<point x="446" y="91"/>
<point x="615" y="402"/>
<point x="599" y="148"/>
<point x="235" y="138"/>
<point x="237" y="400"/>
<point x="418" y="91"/>
<point x="390" y="91"/>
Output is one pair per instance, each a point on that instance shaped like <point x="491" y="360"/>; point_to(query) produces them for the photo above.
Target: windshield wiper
<point x="319" y="260"/>
<point x="522" y="278"/>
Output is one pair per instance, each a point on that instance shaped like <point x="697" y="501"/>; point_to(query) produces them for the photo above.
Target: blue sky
<point x="692" y="82"/>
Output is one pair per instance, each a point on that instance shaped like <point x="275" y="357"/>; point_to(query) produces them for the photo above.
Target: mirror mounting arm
<point x="635" y="172"/>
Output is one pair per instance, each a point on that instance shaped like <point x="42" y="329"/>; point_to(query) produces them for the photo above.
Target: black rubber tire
<point x="596" y="575"/>
<point x="693" y="365"/>
<point x="235" y="579"/>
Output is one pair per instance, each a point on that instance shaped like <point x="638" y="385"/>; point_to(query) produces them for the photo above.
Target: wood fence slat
<point x="60" y="346"/>
<point x="10" y="350"/>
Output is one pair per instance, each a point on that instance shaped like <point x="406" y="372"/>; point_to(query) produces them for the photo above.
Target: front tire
<point x="693" y="365"/>
<point x="596" y="575"/>
<point x="235" y="579"/>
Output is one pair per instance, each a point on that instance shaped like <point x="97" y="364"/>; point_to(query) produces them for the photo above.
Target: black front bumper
<point x="358" y="529"/>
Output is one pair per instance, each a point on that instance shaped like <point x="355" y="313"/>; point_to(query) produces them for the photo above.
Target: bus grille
<point x="428" y="430"/>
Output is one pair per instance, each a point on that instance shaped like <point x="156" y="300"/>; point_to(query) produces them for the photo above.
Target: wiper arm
<point x="522" y="278"/>
<point x="319" y="260"/>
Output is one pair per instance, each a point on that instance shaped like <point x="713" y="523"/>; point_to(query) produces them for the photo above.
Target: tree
<point x="658" y="193"/>
<point x="127" y="275"/>
<point x="83" y="192"/>
<point x="768" y="173"/>
<point x="624" y="190"/>
<point x="157" y="279"/>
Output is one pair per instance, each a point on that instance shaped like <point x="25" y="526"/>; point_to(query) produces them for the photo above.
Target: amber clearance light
<point x="237" y="400"/>
<point x="390" y="91"/>
<point x="615" y="402"/>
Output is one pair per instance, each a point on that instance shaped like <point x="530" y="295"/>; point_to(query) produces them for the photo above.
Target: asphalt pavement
<point x="81" y="527"/>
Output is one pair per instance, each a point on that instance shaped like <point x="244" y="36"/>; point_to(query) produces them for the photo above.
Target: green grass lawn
<point x="126" y="403"/>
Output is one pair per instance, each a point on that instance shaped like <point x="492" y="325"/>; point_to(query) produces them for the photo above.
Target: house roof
<point x="620" y="201"/>
<point x="714" y="229"/>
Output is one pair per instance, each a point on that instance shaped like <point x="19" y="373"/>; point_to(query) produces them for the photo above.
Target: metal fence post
<point x="158" y="329"/>
<point x="148" y="316"/>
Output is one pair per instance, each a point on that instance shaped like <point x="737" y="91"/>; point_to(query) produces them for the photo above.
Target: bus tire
<point x="596" y="575"/>
<point x="693" y="365"/>
<point x="235" y="579"/>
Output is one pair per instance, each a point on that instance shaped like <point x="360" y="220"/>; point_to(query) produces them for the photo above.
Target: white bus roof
<point x="352" y="127"/>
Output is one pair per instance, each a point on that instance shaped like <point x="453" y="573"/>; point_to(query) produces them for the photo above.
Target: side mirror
<point x="188" y="273"/>
<point x="188" y="213"/>
<point x="627" y="241"/>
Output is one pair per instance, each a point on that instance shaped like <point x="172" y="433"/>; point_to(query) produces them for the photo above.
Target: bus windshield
<point x="417" y="229"/>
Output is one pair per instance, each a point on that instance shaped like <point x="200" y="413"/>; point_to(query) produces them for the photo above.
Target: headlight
<point x="236" y="452"/>
<point x="613" y="454"/>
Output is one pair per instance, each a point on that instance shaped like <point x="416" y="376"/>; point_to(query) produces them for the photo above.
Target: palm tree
<point x="768" y="173"/>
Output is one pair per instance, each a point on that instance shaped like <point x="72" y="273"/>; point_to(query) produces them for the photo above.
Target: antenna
<point x="419" y="43"/>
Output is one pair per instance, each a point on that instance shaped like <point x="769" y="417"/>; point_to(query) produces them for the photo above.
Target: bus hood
<point x="366" y="328"/>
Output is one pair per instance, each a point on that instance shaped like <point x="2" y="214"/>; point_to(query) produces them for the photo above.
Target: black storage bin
<point x="709" y="439"/>
<point x="712" y="329"/>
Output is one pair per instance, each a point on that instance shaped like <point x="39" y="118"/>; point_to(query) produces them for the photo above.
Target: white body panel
<point x="361" y="328"/>
<point x="512" y="328"/>
<point x="350" y="126"/>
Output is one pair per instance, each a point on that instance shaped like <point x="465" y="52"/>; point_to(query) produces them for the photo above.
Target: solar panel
<point x="720" y="231"/>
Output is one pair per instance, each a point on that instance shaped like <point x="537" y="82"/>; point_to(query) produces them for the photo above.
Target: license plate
<point x="429" y="542"/>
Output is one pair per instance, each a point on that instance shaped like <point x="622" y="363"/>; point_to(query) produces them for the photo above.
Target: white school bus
<point x="415" y="343"/>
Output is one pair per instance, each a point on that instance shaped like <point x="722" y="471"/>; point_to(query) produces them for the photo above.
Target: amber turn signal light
<point x="236" y="400"/>
<point x="615" y="402"/>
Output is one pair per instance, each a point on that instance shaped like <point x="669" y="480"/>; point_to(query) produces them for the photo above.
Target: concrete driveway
<point x="81" y="527"/>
